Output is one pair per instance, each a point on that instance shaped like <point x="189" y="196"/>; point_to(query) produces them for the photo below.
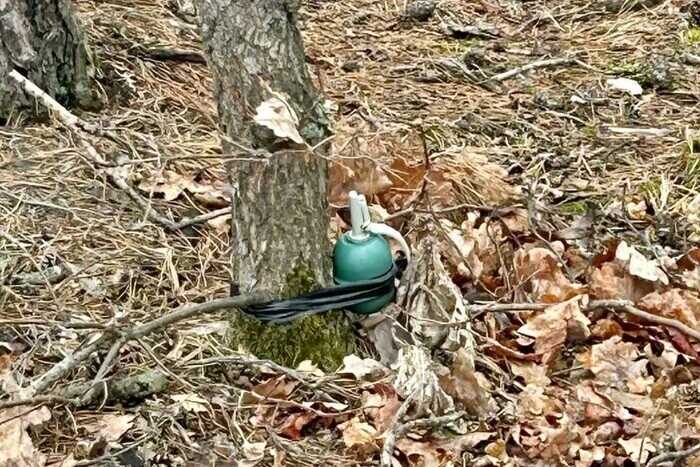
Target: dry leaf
<point x="531" y="373"/>
<point x="307" y="366"/>
<point x="533" y="402"/>
<point x="168" y="183"/>
<point x="627" y="85"/>
<point x="366" y="369"/>
<point x="360" y="437"/>
<point x="555" y="325"/>
<point x="292" y="426"/>
<point x="638" y="449"/>
<point x="464" y="386"/>
<point x="540" y="272"/>
<point x="111" y="427"/>
<point x="589" y="457"/>
<point x="381" y="406"/>
<point x="613" y="281"/>
<point x="274" y="388"/>
<point x="638" y="265"/>
<point x="606" y="328"/>
<point x="682" y="305"/>
<point x="279" y="117"/>
<point x="213" y="194"/>
<point x="221" y="224"/>
<point x="438" y="452"/>
<point x="615" y="363"/>
<point x="191" y="402"/>
<point x="16" y="446"/>
<point x="253" y="453"/>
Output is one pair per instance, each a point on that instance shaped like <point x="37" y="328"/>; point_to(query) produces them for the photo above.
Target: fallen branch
<point x="71" y="361"/>
<point x="174" y="54"/>
<point x="116" y="176"/>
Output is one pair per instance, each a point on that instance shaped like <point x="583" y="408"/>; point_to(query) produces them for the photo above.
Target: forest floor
<point x="509" y="141"/>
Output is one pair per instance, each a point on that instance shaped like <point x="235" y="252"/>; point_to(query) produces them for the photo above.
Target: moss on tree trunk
<point x="43" y="41"/>
<point x="280" y="218"/>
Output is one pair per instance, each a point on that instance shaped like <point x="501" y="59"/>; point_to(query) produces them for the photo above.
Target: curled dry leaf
<point x="555" y="325"/>
<point x="279" y="117"/>
<point x="366" y="369"/>
<point x="532" y="373"/>
<point x="362" y="175"/>
<point x="638" y="265"/>
<point x="360" y="436"/>
<point x="463" y="384"/>
<point x="540" y="271"/>
<point x="465" y="247"/>
<point x="416" y="375"/>
<point x="381" y="406"/>
<point x="294" y="423"/>
<point x="627" y="85"/>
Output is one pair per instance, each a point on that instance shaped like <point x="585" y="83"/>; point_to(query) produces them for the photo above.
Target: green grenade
<point x="363" y="254"/>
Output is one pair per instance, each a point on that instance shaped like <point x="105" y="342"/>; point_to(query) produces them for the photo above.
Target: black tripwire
<point x="331" y="298"/>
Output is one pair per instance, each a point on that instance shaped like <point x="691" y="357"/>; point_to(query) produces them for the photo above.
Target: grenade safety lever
<point x="362" y="224"/>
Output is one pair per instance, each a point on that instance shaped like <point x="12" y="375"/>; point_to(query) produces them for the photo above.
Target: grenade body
<point x="363" y="259"/>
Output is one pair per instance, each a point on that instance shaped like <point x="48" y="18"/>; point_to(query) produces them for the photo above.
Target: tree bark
<point x="43" y="41"/>
<point x="280" y="220"/>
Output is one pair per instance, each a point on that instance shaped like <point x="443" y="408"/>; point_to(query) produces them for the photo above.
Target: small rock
<point x="657" y="74"/>
<point x="543" y="99"/>
<point x="420" y="10"/>
<point x="350" y="66"/>
<point x="475" y="57"/>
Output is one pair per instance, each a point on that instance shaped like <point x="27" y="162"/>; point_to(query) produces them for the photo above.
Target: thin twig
<point x="103" y="370"/>
<point x="38" y="400"/>
<point x="628" y="307"/>
<point x="77" y="126"/>
<point x="532" y="66"/>
<point x="673" y="456"/>
<point x="395" y="432"/>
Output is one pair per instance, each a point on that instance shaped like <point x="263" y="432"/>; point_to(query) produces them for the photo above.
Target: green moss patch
<point x="324" y="339"/>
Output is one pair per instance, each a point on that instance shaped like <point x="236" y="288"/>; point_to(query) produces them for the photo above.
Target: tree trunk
<point x="280" y="219"/>
<point x="42" y="40"/>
